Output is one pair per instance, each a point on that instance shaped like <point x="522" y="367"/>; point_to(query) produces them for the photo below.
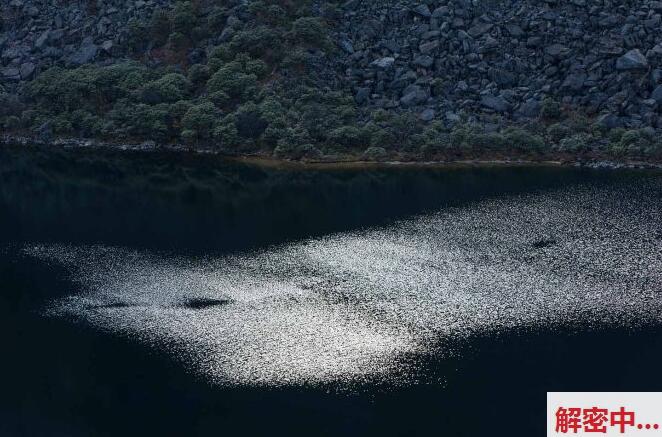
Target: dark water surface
<point x="93" y="370"/>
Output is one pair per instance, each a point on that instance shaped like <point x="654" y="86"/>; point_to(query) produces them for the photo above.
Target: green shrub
<point x="295" y="59"/>
<point x="310" y="31"/>
<point x="199" y="33"/>
<point x="61" y="124"/>
<point x="615" y="135"/>
<point x="31" y="118"/>
<point x="177" y="41"/>
<point x="558" y="131"/>
<point x="220" y="99"/>
<point x="437" y="87"/>
<point x="348" y="136"/>
<point x="201" y="119"/>
<point x="249" y="121"/>
<point x="237" y="79"/>
<point x="137" y="35"/>
<point x="86" y="123"/>
<point x="189" y="137"/>
<point x="575" y="143"/>
<point x="578" y="123"/>
<point x="292" y="138"/>
<point x="141" y="120"/>
<point x="178" y="109"/>
<point x="550" y="109"/>
<point x="523" y="140"/>
<point x="198" y="74"/>
<point x="216" y="19"/>
<point x="160" y="26"/>
<point x="253" y="66"/>
<point x="461" y="135"/>
<point x="373" y="153"/>
<point x="309" y="152"/>
<point x="12" y="123"/>
<point x="636" y="142"/>
<point x="222" y="53"/>
<point x="167" y="89"/>
<point x="225" y="133"/>
<point x="184" y="18"/>
<point x="260" y="42"/>
<point x="383" y="138"/>
<point x="275" y="15"/>
<point x="87" y="87"/>
<point x="488" y="141"/>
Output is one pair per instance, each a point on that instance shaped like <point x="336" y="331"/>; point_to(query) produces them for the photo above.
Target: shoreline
<point x="333" y="162"/>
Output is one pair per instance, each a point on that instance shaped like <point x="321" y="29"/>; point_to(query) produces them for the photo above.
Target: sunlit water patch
<point x="357" y="306"/>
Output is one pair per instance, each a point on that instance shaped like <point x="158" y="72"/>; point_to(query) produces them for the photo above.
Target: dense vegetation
<point x="253" y="93"/>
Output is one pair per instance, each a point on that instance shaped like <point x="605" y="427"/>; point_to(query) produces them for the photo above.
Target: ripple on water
<point x="350" y="306"/>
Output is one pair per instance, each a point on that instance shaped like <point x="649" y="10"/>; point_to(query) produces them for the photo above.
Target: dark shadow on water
<point x="202" y="303"/>
<point x="541" y="244"/>
<point x="203" y="204"/>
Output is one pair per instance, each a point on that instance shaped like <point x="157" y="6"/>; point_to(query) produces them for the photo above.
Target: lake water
<point x="146" y="294"/>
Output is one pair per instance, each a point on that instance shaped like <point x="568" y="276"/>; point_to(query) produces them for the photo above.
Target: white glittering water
<point x="359" y="305"/>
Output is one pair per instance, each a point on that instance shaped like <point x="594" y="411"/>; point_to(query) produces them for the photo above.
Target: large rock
<point x="557" y="50"/>
<point x="423" y="10"/>
<point x="45" y="132"/>
<point x="495" y="103"/>
<point x="412" y="96"/>
<point x="429" y="46"/>
<point x="41" y="41"/>
<point x="384" y="63"/>
<point x="657" y="94"/>
<point x="362" y="95"/>
<point x="574" y="82"/>
<point x="609" y="121"/>
<point x="10" y="73"/>
<point x="529" y="109"/>
<point x="480" y="29"/>
<point x="85" y="54"/>
<point x="423" y="61"/>
<point x="427" y="115"/>
<point x="27" y="70"/>
<point x="632" y="60"/>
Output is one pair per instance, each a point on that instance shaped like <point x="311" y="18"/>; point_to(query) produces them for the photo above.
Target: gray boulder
<point x="498" y="103"/>
<point x="45" y="132"/>
<point x="384" y="63"/>
<point x="529" y="109"/>
<point x="423" y="61"/>
<point x="413" y="95"/>
<point x="427" y="47"/>
<point x="85" y="54"/>
<point x="632" y="60"/>
<point x="609" y="121"/>
<point x="427" y="115"/>
<point x="657" y="94"/>
<point x="42" y="40"/>
<point x="574" y="82"/>
<point x="10" y="73"/>
<point x="27" y="70"/>
<point x="362" y="95"/>
<point x="423" y="10"/>
<point x="480" y="29"/>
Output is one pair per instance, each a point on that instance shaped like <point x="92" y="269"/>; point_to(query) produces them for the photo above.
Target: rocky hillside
<point x="505" y="57"/>
<point x="303" y="78"/>
<point x="38" y="34"/>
